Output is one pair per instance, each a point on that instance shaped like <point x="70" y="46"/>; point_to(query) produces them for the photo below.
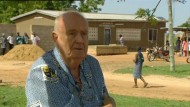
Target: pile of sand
<point x="23" y="53"/>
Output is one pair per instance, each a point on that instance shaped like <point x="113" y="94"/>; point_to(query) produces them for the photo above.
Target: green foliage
<point x="181" y="70"/>
<point x="9" y="9"/>
<point x="143" y="13"/>
<point x="185" y="25"/>
<point x="129" y="101"/>
<point x="12" y="96"/>
<point x="90" y="5"/>
<point x="146" y="14"/>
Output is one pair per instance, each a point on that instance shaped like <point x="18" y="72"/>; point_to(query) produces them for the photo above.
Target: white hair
<point x="56" y="22"/>
<point x="64" y="14"/>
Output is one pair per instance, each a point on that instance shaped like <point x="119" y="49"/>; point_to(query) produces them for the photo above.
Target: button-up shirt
<point x="10" y="39"/>
<point x="50" y="83"/>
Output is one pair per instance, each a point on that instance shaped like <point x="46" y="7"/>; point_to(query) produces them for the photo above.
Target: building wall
<point x="45" y="34"/>
<point x="43" y="26"/>
<point x="145" y="43"/>
<point x="25" y="24"/>
<point x="132" y="45"/>
<point x="7" y="29"/>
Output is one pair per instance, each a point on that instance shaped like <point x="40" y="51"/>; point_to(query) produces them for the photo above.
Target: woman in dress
<point x="139" y="59"/>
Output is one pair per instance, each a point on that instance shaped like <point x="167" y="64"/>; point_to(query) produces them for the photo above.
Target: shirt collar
<point x="64" y="67"/>
<point x="60" y="60"/>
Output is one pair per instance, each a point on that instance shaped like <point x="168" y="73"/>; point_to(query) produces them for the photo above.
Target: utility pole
<point x="171" y="37"/>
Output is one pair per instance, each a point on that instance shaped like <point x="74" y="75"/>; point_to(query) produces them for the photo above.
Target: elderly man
<point x="67" y="76"/>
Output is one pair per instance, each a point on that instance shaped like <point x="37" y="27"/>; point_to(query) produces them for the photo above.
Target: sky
<point x="181" y="12"/>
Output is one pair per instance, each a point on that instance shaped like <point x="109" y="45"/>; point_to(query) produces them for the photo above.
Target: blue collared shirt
<point x="50" y="84"/>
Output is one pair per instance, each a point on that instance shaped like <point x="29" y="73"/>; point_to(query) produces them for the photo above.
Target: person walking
<point x="3" y="43"/>
<point x="139" y="59"/>
<point x="66" y="76"/>
<point x="10" y="38"/>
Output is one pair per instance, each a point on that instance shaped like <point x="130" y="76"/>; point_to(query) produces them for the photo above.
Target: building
<point x="104" y="29"/>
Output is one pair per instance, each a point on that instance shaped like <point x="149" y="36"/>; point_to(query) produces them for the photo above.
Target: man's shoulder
<point x="91" y="58"/>
<point x="92" y="61"/>
<point x="41" y="61"/>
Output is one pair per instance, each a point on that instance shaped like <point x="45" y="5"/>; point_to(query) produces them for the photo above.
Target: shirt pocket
<point x="89" y="98"/>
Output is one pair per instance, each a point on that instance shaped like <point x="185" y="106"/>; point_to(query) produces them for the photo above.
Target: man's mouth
<point x="78" y="48"/>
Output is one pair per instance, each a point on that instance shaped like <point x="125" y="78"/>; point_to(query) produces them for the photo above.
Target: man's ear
<point x="54" y="36"/>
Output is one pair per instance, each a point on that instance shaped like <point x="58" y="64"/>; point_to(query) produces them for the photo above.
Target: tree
<point x="90" y="5"/>
<point x="186" y="24"/>
<point x="146" y="14"/>
<point x="9" y="9"/>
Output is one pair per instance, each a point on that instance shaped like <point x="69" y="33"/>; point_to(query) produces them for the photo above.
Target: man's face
<point x="72" y="38"/>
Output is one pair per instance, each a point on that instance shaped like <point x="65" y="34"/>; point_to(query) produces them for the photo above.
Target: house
<point x="104" y="28"/>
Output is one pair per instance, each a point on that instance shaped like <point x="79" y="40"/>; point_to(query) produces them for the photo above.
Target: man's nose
<point x="80" y="38"/>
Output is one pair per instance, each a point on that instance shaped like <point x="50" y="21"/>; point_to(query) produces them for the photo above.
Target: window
<point x="92" y="33"/>
<point x="152" y="34"/>
<point x="129" y="34"/>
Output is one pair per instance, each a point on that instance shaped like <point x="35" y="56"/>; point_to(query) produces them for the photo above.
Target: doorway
<point x="107" y="34"/>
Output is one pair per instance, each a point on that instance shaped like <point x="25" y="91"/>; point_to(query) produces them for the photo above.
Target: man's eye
<point x="72" y="33"/>
<point x="84" y="34"/>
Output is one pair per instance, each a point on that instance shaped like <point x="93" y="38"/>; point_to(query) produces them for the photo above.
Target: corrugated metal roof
<point x="177" y="28"/>
<point x="90" y="16"/>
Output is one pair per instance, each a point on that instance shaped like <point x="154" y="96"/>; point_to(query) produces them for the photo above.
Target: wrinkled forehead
<point x="72" y="14"/>
<point x="71" y="18"/>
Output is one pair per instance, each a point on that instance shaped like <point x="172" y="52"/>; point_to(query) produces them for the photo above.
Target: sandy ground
<point x="15" y="72"/>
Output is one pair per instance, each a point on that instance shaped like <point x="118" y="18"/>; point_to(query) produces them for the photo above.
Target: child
<point x="139" y="59"/>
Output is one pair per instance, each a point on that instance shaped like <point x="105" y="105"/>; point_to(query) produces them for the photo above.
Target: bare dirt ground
<point x="163" y="87"/>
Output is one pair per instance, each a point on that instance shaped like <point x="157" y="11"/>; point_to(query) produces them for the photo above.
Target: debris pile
<point x="24" y="52"/>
